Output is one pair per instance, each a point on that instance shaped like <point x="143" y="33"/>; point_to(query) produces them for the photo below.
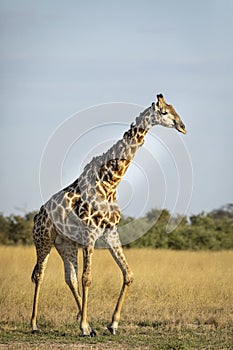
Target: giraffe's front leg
<point x="115" y="248"/>
<point x="128" y="279"/>
<point x="86" y="282"/>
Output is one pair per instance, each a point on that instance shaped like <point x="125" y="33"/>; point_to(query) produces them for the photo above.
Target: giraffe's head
<point x="167" y="115"/>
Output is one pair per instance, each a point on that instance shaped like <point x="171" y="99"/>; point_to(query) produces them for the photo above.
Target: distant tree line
<point x="205" y="231"/>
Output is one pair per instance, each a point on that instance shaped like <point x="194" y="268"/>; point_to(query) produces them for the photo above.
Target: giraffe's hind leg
<point x="43" y="235"/>
<point x="68" y="251"/>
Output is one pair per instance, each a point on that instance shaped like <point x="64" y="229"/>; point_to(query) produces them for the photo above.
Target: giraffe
<point x="87" y="210"/>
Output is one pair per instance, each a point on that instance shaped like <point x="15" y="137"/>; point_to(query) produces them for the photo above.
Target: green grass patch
<point x="130" y="336"/>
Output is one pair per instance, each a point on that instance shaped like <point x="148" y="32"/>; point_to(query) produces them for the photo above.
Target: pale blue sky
<point x="58" y="57"/>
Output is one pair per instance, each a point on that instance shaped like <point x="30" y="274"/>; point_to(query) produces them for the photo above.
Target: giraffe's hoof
<point x="36" y="331"/>
<point x="91" y="335"/>
<point x="112" y="330"/>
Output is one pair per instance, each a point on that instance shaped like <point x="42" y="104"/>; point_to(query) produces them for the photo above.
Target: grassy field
<point x="179" y="300"/>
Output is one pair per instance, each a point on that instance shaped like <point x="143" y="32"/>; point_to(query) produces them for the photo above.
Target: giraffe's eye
<point x="163" y="113"/>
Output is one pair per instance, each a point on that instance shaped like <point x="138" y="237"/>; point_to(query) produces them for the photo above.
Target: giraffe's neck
<point x="104" y="173"/>
<point x="93" y="195"/>
<point x="120" y="155"/>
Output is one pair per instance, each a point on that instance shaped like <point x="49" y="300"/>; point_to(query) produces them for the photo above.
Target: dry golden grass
<point x="181" y="288"/>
